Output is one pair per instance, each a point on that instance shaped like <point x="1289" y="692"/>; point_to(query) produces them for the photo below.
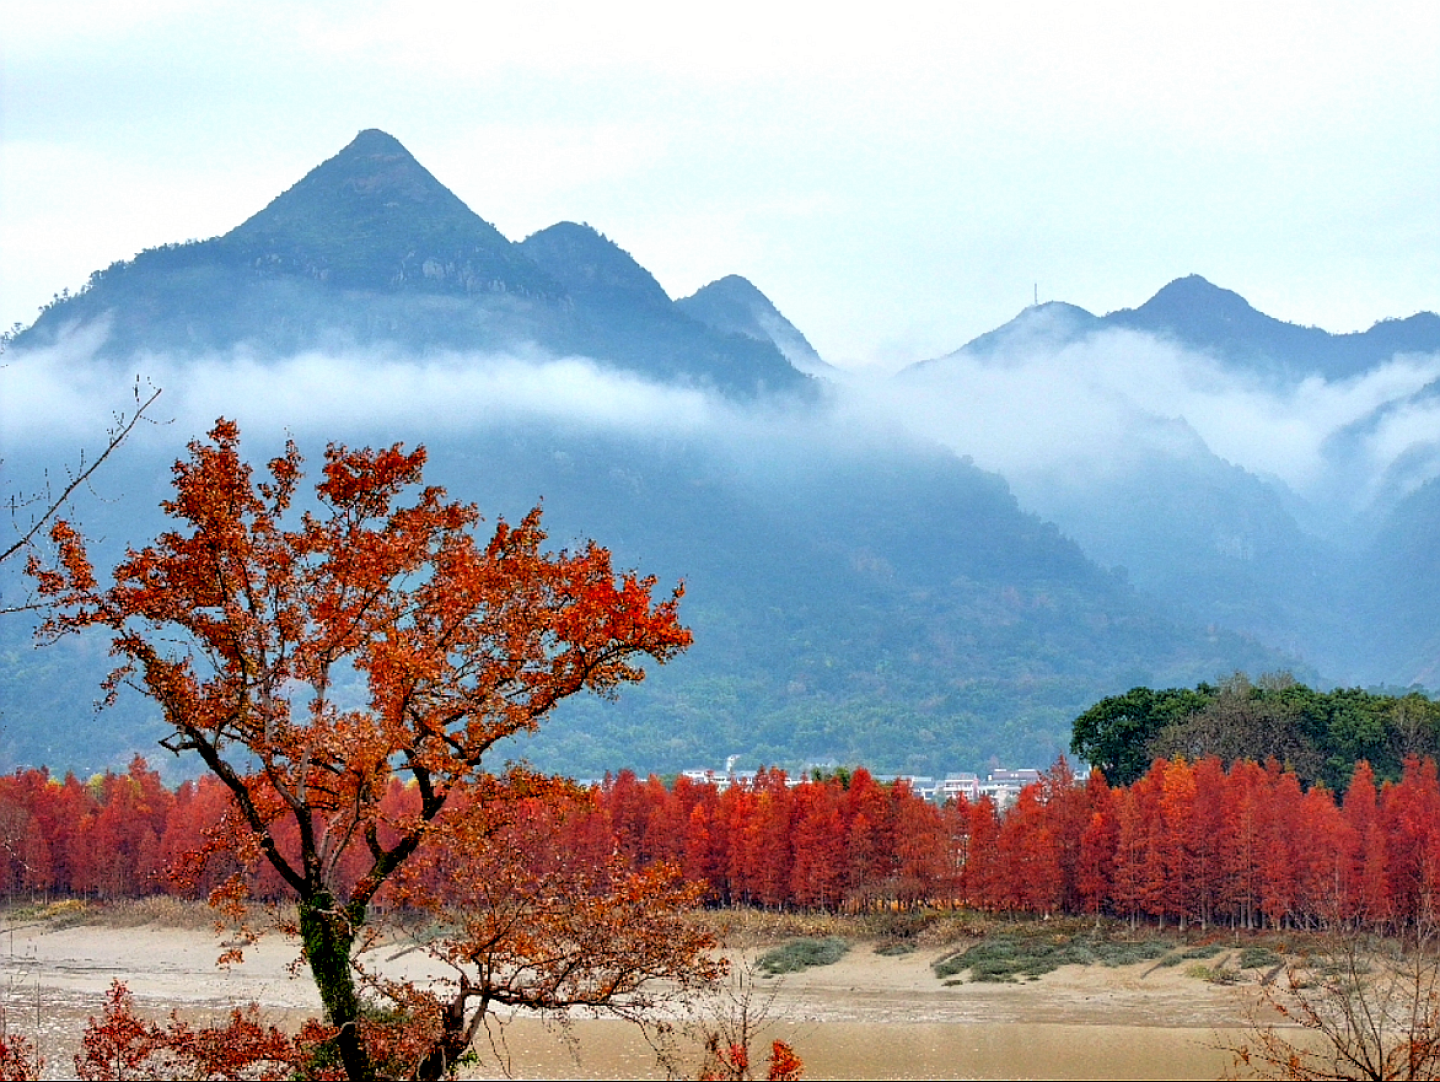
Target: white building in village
<point x="1001" y="785"/>
<point x="959" y="785"/>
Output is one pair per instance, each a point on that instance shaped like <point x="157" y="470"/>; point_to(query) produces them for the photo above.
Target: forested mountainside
<point x="861" y="589"/>
<point x="891" y="605"/>
<point x="1251" y="473"/>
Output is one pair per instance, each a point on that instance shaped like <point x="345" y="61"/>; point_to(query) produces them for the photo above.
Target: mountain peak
<point x="375" y="141"/>
<point x="1204" y="316"/>
<point x="1196" y="284"/>
<point x="1219" y="321"/>
<point x="372" y="217"/>
<point x="592" y="267"/>
<point x="364" y="180"/>
<point x="735" y="306"/>
<point x="1187" y="298"/>
<point x="1045" y="326"/>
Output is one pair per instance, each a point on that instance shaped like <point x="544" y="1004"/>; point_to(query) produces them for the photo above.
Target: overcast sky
<point x="897" y="180"/>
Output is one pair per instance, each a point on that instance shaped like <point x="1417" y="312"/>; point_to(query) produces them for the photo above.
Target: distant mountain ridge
<point x="1201" y="316"/>
<point x="369" y="248"/>
<point x="1205" y="535"/>
<point x="1204" y="316"/>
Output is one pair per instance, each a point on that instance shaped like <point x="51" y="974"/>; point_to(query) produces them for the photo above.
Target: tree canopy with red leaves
<point x="310" y="659"/>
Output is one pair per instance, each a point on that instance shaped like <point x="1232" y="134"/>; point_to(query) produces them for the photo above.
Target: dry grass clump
<point x="899" y="931"/>
<point x="742" y="929"/>
<point x="1219" y="973"/>
<point x="68" y="913"/>
<point x="162" y="911"/>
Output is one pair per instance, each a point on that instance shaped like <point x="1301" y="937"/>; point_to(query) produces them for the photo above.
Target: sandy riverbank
<point x="864" y="1016"/>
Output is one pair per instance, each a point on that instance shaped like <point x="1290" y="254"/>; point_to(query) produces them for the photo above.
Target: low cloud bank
<point x="59" y="393"/>
<point x="1070" y="415"/>
<point x="1107" y="403"/>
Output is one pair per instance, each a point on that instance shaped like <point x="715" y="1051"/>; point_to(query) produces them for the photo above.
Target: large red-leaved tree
<point x="310" y="658"/>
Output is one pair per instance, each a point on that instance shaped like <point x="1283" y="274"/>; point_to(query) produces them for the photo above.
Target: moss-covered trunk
<point x="328" y="932"/>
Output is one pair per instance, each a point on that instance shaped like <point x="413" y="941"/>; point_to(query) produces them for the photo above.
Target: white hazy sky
<point x="896" y="178"/>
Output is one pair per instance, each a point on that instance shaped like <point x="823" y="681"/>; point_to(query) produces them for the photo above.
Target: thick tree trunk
<point x="328" y="935"/>
<point x="454" y="1042"/>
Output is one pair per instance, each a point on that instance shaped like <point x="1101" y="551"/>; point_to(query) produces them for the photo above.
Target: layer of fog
<point x="1090" y="411"/>
<point x="56" y="404"/>
<point x="1070" y="416"/>
<point x="58" y="393"/>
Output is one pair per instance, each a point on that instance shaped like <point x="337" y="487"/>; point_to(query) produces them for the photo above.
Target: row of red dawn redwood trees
<point x="1187" y="843"/>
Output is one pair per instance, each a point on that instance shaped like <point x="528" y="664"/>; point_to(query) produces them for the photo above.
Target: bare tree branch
<point x="116" y="436"/>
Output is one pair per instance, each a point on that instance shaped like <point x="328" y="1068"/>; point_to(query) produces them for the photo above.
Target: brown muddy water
<point x="900" y="1050"/>
<point x="866" y="1016"/>
<point x="605" y="1049"/>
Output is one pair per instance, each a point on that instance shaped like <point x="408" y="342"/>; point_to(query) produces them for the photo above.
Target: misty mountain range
<point x="1203" y="317"/>
<point x="922" y="573"/>
<point x="369" y="248"/>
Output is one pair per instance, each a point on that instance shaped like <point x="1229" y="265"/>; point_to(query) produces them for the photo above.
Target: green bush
<point x="1221" y="974"/>
<point x="1010" y="957"/>
<point x="801" y="954"/>
<point x="1258" y="958"/>
<point x="895" y="947"/>
<point x="1209" y="950"/>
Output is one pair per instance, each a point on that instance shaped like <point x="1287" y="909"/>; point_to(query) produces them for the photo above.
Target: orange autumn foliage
<point x="310" y="659"/>
<point x="122" y="1045"/>
<point x="731" y="1063"/>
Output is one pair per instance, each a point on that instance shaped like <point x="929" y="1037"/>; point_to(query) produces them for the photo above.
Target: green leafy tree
<point x="1115" y="733"/>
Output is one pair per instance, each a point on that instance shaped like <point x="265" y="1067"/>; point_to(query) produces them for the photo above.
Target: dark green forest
<point x="1319" y="735"/>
